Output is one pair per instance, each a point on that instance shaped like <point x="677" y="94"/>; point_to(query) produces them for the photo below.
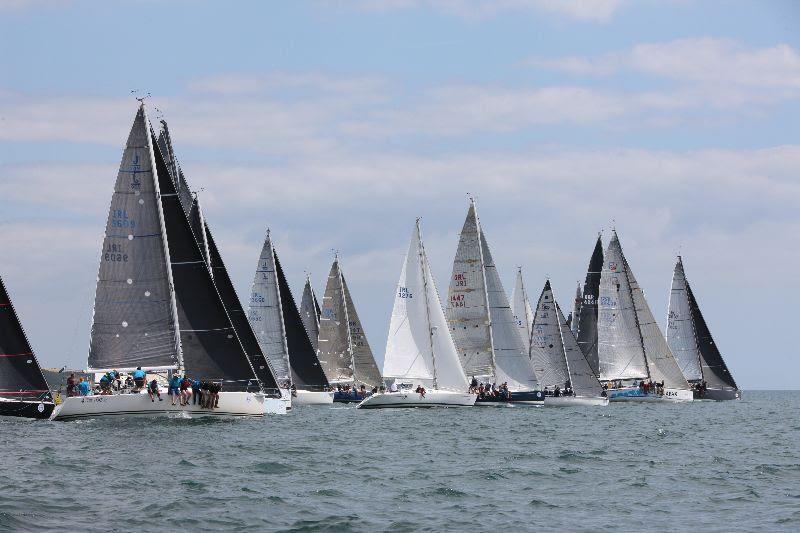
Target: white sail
<point x="581" y="376"/>
<point x="265" y="314"/>
<point x="547" y="349"/>
<point x="681" y="336"/>
<point x="419" y="346"/>
<point x="619" y="349"/>
<point x="409" y="351"/>
<point x="523" y="313"/>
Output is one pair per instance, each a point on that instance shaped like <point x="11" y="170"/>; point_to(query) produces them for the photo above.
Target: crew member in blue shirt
<point x="139" y="376"/>
<point x="174" y="387"/>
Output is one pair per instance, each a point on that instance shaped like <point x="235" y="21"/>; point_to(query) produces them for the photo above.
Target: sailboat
<point x="419" y="348"/>
<point x="309" y="312"/>
<point x="23" y="389"/>
<point x="521" y="307"/>
<point x="630" y="346"/>
<point x="485" y="333"/>
<point x="557" y="359"/>
<point x="274" y="402"/>
<point x="281" y="334"/>
<point x="586" y="319"/>
<point x="690" y="340"/>
<point x="156" y="304"/>
<point x="343" y="349"/>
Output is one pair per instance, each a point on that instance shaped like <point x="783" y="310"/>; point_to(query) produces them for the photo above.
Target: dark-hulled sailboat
<point x="23" y="390"/>
<point x="690" y="340"/>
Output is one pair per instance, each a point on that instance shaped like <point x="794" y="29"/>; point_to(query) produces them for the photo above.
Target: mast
<point x="172" y="302"/>
<point x="423" y="261"/>
<point x="485" y="289"/>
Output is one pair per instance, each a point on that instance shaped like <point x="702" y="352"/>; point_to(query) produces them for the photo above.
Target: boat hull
<point x="532" y="398"/>
<point x="718" y="395"/>
<point x="432" y="398"/>
<point x="305" y="397"/>
<point x="347" y="397"/>
<point x="276" y="406"/>
<point x="574" y="401"/>
<point x="635" y="394"/>
<point x="26" y="409"/>
<point x="231" y="404"/>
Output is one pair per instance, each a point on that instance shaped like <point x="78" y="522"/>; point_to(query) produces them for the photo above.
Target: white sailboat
<point x="521" y="306"/>
<point x="560" y="365"/>
<point x="631" y="347"/>
<point x="482" y="324"/>
<point x="282" y="335"/>
<point x="156" y="304"/>
<point x="343" y="350"/>
<point x="419" y="349"/>
<point x="690" y="340"/>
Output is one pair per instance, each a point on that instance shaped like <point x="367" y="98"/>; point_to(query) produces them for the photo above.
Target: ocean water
<point x="712" y="466"/>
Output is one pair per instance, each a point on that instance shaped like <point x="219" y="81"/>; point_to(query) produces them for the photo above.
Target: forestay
<point x="680" y="329"/>
<point x="620" y="350"/>
<point x="134" y="319"/>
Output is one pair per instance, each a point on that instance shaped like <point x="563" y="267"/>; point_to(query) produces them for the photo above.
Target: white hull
<point x="305" y="397"/>
<point x="286" y="398"/>
<point x="231" y="404"/>
<point x="432" y="398"/>
<point x="574" y="401"/>
<point x="277" y="406"/>
<point x="633" y="394"/>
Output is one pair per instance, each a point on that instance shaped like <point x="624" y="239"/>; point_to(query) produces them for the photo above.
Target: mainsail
<point x="20" y="375"/>
<point x="582" y="378"/>
<point x="547" y="349"/>
<point x="586" y="319"/>
<point x="680" y="327"/>
<point x="134" y="321"/>
<point x="265" y="314"/>
<point x="419" y="347"/>
<point x="521" y="306"/>
<point x="309" y="312"/>
<point x="343" y="349"/>
<point x="689" y="336"/>
<point x="483" y="327"/>
<point x="630" y="344"/>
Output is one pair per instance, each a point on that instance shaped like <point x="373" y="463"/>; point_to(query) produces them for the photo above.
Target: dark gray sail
<point x="715" y="371"/>
<point x="335" y="349"/>
<point x="211" y="348"/>
<point x="20" y="375"/>
<point x="306" y="370"/>
<point x="587" y="316"/>
<point x="365" y="368"/>
<point x="309" y="312"/>
<point x="134" y="319"/>
<point x="222" y="280"/>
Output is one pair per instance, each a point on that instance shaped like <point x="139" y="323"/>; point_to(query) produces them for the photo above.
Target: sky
<point x="335" y="124"/>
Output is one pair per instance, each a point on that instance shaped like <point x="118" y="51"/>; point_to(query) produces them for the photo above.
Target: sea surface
<point x="639" y="467"/>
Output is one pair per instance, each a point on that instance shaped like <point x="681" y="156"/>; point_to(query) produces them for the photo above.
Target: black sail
<point x="20" y="375"/>
<point x="715" y="371"/>
<point x="222" y="280"/>
<point x="211" y="348"/>
<point x="239" y="317"/>
<point x="306" y="369"/>
<point x="587" y="319"/>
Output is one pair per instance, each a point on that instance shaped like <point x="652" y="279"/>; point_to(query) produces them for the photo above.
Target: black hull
<point x="718" y="395"/>
<point x="522" y="398"/>
<point x="26" y="409"/>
